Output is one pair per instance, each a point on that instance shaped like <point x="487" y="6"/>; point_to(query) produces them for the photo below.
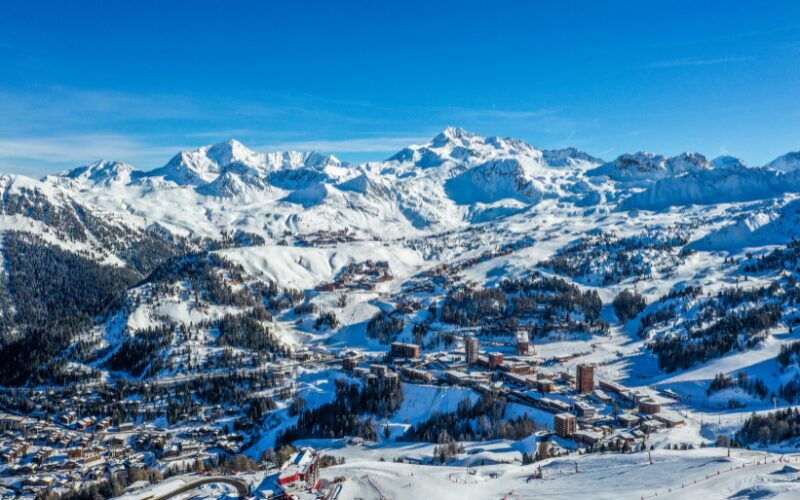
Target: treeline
<point x="628" y="304"/>
<point x="385" y="326"/>
<point x="612" y="259"/>
<point x="782" y="258"/>
<point x="772" y="428"/>
<point x="732" y="318"/>
<point x="343" y="416"/>
<point x="140" y="353"/>
<point x="143" y="251"/>
<point x="235" y="239"/>
<point x="470" y="306"/>
<point x="789" y="354"/>
<point x="790" y="391"/>
<point x="246" y="331"/>
<point x="478" y="421"/>
<point x="36" y="205"/>
<point x="552" y="297"/>
<point x="326" y="320"/>
<point x="678" y="352"/>
<point x="667" y="313"/>
<point x="210" y="277"/>
<point x="186" y="403"/>
<point x="544" y="303"/>
<point x="753" y="386"/>
<point x="55" y="295"/>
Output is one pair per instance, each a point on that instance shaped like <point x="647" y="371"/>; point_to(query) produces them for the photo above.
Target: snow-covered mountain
<point x="101" y="173"/>
<point x="203" y="165"/>
<point x="786" y="163"/>
<point x="674" y="275"/>
<point x="726" y="161"/>
<point x="236" y="179"/>
<point x="456" y="178"/>
<point x="711" y="186"/>
<point x="455" y="194"/>
<point x="650" y="167"/>
<point x="570" y="157"/>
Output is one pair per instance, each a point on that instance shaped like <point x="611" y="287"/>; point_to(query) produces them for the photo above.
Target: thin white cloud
<point x="37" y="156"/>
<point x="56" y="107"/>
<point x="505" y="114"/>
<point x="695" y="61"/>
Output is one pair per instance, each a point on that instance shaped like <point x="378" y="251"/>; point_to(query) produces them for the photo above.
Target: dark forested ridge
<point x="771" y="428"/>
<point x="55" y="294"/>
<point x="482" y="420"/>
<point x="344" y="416"/>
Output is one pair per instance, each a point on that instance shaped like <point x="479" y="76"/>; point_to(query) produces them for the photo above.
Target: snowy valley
<point x="472" y="317"/>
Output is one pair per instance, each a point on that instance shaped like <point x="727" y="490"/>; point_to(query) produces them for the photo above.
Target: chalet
<point x="85" y="423"/>
<point x="39" y="481"/>
<point x="116" y="442"/>
<point x="42" y="455"/>
<point x="68" y="418"/>
<point x="495" y="360"/>
<point x="92" y="458"/>
<point x="522" y="380"/>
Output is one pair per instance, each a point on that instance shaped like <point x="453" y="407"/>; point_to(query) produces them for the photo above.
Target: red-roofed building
<point x="300" y="473"/>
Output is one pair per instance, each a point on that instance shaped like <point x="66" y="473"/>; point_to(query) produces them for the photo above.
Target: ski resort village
<point x="472" y="317"/>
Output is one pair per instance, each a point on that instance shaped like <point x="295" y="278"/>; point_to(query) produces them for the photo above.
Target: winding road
<point x="242" y="488"/>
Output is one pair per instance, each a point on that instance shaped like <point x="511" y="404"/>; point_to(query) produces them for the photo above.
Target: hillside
<point x="233" y="290"/>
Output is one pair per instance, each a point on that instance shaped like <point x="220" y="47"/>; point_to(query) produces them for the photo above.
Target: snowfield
<point x="705" y="473"/>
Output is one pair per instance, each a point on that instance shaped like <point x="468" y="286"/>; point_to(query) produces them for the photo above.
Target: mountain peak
<point x="453" y="135"/>
<point x="726" y="161"/>
<point x="203" y="165"/>
<point x="456" y="133"/>
<point x="570" y="156"/>
<point x="231" y="151"/>
<point x="99" y="172"/>
<point x="686" y="162"/>
<point x="786" y="163"/>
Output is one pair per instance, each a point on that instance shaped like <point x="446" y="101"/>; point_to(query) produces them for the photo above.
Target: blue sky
<point x="138" y="81"/>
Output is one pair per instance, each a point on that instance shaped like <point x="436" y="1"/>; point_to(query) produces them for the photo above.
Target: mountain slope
<point x="786" y="163"/>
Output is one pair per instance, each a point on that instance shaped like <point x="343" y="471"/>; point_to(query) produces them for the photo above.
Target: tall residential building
<point x="404" y="350"/>
<point x="565" y="424"/>
<point x="471" y="349"/>
<point x="584" y="379"/>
